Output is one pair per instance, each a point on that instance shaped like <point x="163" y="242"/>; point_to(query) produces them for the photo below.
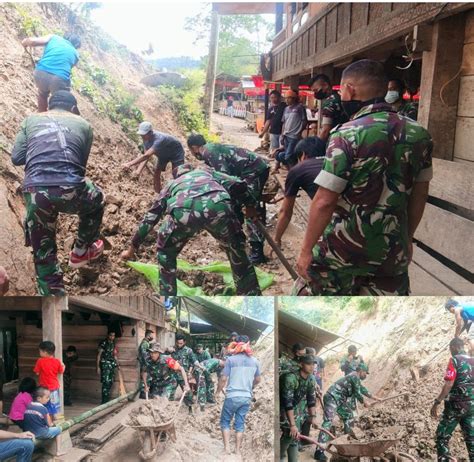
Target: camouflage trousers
<point x="107" y="377"/>
<point x="288" y="445"/>
<point x="67" y="382"/>
<point x="165" y="389"/>
<point x="325" y="281"/>
<point x="43" y="205"/>
<point x="455" y="413"/>
<point x="205" y="387"/>
<point x="255" y="185"/>
<point x="331" y="408"/>
<point x="220" y="221"/>
<point x="179" y="381"/>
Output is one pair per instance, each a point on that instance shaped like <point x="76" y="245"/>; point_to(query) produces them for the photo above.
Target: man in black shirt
<point x="273" y="123"/>
<point x="310" y="153"/>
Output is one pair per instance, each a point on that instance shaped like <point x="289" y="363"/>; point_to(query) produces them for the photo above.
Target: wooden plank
<point x="331" y="27"/>
<point x="321" y="34"/>
<point x="73" y="455"/>
<point x="469" y="32"/>
<point x="359" y="16"/>
<point x="377" y="10"/>
<point x="430" y="277"/>
<point x="453" y="183"/>
<point x="20" y="303"/>
<point x="448" y="234"/>
<point x="463" y="146"/>
<point x="468" y="59"/>
<point x="466" y="96"/>
<point x="103" y="432"/>
<point x="343" y="20"/>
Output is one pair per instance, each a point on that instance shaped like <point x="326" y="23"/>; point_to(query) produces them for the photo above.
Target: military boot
<point x="257" y="256"/>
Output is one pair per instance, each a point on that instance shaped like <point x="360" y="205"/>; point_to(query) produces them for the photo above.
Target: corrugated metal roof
<point x="292" y="330"/>
<point x="225" y="320"/>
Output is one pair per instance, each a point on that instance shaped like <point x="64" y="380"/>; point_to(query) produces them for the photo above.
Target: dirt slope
<point x="128" y="198"/>
<point x="402" y="333"/>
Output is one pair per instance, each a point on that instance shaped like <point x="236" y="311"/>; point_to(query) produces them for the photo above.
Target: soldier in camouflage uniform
<point x="143" y="355"/>
<point x="394" y="96"/>
<point x="197" y="200"/>
<point x="297" y="401"/>
<point x="185" y="356"/>
<point x="332" y="112"/>
<point x="54" y="146"/>
<point x="247" y="166"/>
<point x="69" y="356"/>
<point x="159" y="373"/>
<point x="349" y="363"/>
<point x="458" y="396"/>
<point x="205" y="384"/>
<point x="107" y="363"/>
<point x="201" y="354"/>
<point x="371" y="195"/>
<point x="287" y="364"/>
<point x="337" y="400"/>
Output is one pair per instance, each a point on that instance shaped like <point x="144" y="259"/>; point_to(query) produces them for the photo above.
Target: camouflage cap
<point x="306" y="359"/>
<point x="363" y="367"/>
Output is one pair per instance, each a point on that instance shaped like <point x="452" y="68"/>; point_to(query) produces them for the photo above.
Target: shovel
<point x="389" y="398"/>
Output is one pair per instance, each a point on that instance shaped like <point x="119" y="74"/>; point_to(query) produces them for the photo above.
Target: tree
<point x="242" y="38"/>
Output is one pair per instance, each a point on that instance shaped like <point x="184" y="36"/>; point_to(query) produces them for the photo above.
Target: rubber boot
<point x="319" y="455"/>
<point x="257" y="256"/>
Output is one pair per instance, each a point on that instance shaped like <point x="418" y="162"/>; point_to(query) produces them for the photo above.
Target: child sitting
<point x="37" y="419"/>
<point x="48" y="368"/>
<point x="21" y="401"/>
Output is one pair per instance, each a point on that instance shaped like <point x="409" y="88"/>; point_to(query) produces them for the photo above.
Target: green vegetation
<point x="108" y="96"/>
<point x="29" y="25"/>
<point x="186" y="102"/>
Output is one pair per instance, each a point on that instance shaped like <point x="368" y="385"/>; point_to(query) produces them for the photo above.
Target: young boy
<point x="48" y="368"/>
<point x="37" y="419"/>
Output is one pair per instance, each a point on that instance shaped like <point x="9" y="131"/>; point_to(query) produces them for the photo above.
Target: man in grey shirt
<point x="165" y="147"/>
<point x="241" y="374"/>
<point x="294" y="122"/>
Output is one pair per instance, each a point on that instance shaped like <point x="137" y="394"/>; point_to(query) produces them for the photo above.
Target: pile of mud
<point x="153" y="412"/>
<point x="210" y="283"/>
<point x="412" y="412"/>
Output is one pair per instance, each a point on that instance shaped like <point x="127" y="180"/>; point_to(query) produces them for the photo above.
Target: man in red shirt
<point x="48" y="368"/>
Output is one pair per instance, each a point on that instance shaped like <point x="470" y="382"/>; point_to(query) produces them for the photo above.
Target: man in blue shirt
<point x="53" y="70"/>
<point x="240" y="375"/>
<point x="464" y="315"/>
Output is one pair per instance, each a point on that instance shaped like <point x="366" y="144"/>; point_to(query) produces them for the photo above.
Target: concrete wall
<point x="463" y="151"/>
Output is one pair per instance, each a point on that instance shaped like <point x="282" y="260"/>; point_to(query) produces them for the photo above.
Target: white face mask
<point x="392" y="96"/>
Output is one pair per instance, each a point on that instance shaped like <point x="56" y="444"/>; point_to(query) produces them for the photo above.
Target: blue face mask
<point x="392" y="96"/>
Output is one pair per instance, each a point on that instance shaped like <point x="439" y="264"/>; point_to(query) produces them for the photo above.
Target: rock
<point x="4" y="77"/>
<point x="111" y="229"/>
<point x="110" y="199"/>
<point x="89" y="274"/>
<point x="102" y="290"/>
<point x="112" y="208"/>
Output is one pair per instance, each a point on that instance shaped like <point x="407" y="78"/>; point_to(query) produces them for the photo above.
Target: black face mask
<point x="351" y="107"/>
<point x="321" y="94"/>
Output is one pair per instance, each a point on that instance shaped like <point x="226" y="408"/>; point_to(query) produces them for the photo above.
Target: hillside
<point x="397" y="335"/>
<point x="107" y="86"/>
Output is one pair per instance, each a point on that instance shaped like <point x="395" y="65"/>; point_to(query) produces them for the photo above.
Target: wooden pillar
<point x="439" y="66"/>
<point x="52" y="308"/>
<point x="211" y="66"/>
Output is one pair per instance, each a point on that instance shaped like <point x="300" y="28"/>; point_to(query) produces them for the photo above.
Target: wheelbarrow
<point x="153" y="438"/>
<point x="354" y="451"/>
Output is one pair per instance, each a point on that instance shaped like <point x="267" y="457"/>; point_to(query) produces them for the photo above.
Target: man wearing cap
<point x="166" y="148"/>
<point x="54" y="147"/>
<point x="337" y="400"/>
<point x="159" y="372"/>
<point x="297" y="404"/>
<point x="310" y="154"/>
<point x="371" y="196"/>
<point x="458" y="397"/>
<point x="202" y="354"/>
<point x="464" y="315"/>
<point x="247" y="166"/>
<point x="194" y="201"/>
<point x="53" y="71"/>
<point x="294" y="122"/>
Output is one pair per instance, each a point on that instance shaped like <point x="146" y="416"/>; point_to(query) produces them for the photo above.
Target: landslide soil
<point x="127" y="198"/>
<point x="401" y="334"/>
<point x="198" y="435"/>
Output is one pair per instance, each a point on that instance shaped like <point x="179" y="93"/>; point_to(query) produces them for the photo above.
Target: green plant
<point x="366" y="304"/>
<point x="29" y="24"/>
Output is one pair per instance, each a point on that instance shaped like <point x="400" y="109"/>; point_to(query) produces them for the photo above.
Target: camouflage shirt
<point x="185" y="357"/>
<point x="349" y="386"/>
<point x="350" y="365"/>
<point x="409" y="109"/>
<point x="158" y="371"/>
<point x="288" y="365"/>
<point x="461" y="370"/>
<point x="332" y="111"/>
<point x="211" y="365"/>
<point x="372" y="161"/>
<point x="205" y="355"/>
<point x="294" y="389"/>
<point x="108" y="352"/>
<point x="234" y="161"/>
<point x="143" y="353"/>
<point x="185" y="192"/>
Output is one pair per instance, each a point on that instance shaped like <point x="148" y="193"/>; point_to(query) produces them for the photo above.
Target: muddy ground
<point x="199" y="437"/>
